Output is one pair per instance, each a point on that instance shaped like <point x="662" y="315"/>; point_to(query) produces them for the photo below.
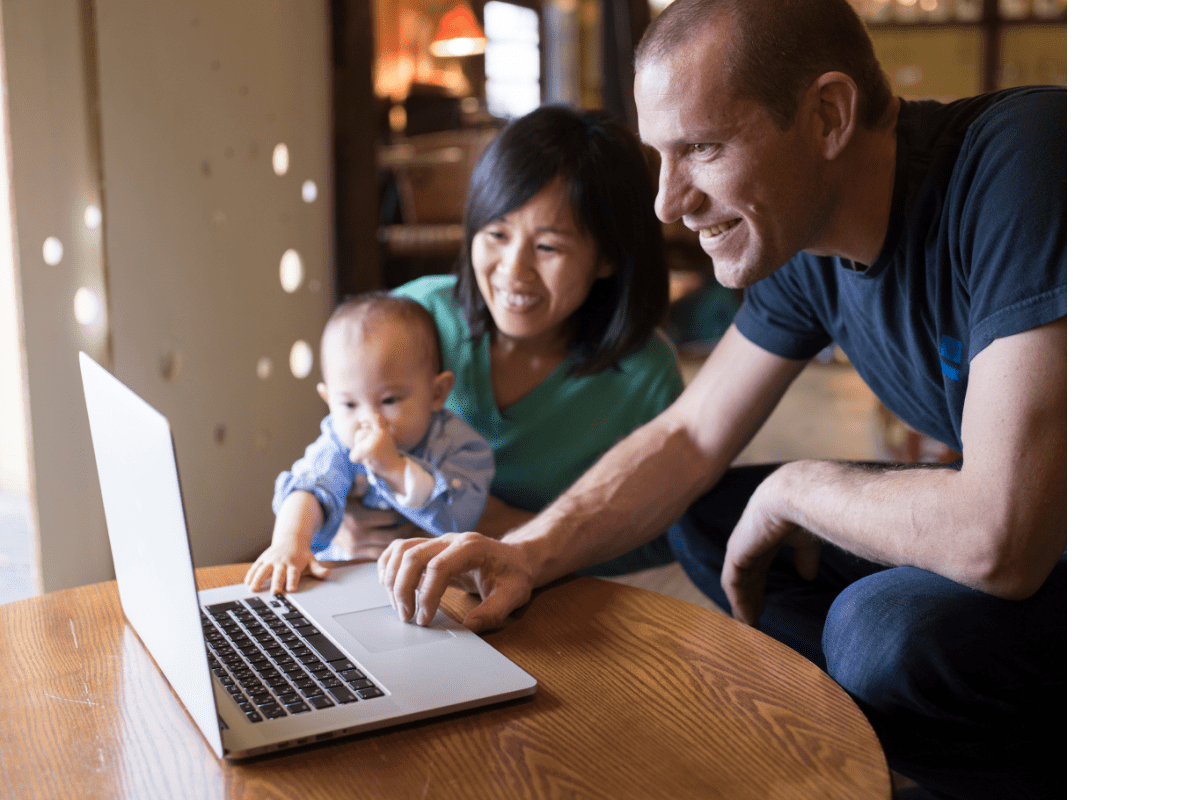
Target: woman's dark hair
<point x="608" y="185"/>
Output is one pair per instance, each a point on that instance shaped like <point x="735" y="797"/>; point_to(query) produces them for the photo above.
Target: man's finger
<point x="494" y="609"/>
<point x="410" y="573"/>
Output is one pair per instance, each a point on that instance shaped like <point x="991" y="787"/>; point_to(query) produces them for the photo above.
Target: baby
<point x="386" y="389"/>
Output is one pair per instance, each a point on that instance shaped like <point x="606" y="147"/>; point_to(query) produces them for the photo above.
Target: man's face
<point x="752" y="191"/>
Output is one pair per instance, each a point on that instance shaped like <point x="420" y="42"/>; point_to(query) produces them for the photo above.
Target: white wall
<point x="179" y="107"/>
<point x="14" y="464"/>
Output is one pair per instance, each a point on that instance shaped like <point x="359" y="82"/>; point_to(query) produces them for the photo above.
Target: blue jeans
<point x="967" y="692"/>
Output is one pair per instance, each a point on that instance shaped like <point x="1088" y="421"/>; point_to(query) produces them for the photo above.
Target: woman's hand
<point x="416" y="573"/>
<point x="365" y="532"/>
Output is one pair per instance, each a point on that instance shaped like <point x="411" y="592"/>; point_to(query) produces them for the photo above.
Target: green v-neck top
<point x="548" y="438"/>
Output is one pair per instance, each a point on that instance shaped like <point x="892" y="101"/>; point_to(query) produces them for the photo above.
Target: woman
<point x="549" y="324"/>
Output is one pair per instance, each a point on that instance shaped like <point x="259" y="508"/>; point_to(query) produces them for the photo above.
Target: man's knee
<point x="884" y="639"/>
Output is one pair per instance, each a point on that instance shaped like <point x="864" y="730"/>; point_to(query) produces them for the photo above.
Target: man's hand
<point x="416" y="572"/>
<point x="764" y="527"/>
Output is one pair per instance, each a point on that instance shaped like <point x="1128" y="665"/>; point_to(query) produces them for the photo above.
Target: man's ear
<point x="321" y="390"/>
<point x="443" y="382"/>
<point x="836" y="96"/>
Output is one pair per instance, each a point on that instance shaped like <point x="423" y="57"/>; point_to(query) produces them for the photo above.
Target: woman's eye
<point x="547" y="248"/>
<point x="387" y="401"/>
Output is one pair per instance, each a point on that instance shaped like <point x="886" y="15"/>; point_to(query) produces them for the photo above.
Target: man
<point x="929" y="242"/>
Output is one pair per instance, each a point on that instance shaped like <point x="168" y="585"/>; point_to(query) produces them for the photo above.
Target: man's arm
<point x="632" y="494"/>
<point x="997" y="525"/>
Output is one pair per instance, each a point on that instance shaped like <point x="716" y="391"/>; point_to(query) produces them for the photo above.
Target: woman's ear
<point x="606" y="270"/>
<point x="443" y="382"/>
<point x="837" y="110"/>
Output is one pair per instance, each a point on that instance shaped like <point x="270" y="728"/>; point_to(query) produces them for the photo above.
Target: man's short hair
<point x="371" y="308"/>
<point x="777" y="48"/>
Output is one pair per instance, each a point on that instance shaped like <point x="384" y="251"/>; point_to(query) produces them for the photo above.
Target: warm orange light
<point x="458" y="34"/>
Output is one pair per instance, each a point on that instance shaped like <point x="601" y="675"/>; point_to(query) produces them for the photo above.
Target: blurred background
<point x="188" y="187"/>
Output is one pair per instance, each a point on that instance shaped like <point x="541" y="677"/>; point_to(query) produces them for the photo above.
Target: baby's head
<point x="380" y="355"/>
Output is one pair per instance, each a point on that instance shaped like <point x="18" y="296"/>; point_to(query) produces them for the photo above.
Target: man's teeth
<point x="515" y="300"/>
<point x="720" y="228"/>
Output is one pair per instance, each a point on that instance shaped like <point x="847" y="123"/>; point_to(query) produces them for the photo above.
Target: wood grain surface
<point x="640" y="696"/>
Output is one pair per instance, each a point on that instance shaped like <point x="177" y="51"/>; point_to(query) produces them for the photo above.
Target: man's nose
<point x="677" y="196"/>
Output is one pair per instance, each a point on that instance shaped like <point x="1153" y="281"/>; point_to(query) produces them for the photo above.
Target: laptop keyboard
<point x="274" y="662"/>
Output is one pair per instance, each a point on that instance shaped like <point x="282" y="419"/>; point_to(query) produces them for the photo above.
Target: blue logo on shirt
<point x="951" y="351"/>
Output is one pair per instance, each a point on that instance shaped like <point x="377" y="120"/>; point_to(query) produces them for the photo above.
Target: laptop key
<point x="321" y="702"/>
<point x="298" y="708"/>
<point x="216" y="609"/>
<point x="272" y="711"/>
<point x="328" y="650"/>
<point x="342" y="694"/>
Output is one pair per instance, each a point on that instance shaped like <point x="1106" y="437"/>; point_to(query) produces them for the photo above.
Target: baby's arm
<point x="444" y="489"/>
<point x="290" y="554"/>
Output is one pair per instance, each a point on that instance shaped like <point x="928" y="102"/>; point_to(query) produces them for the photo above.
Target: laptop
<point x="257" y="672"/>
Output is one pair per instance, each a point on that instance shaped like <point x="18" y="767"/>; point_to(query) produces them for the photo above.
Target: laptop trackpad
<point x="380" y="630"/>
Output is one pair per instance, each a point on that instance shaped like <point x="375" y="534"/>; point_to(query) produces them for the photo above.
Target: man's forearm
<point x="940" y="520"/>
<point x="632" y="494"/>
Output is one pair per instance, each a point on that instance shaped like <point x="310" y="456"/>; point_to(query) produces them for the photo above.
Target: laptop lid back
<point x="143" y="508"/>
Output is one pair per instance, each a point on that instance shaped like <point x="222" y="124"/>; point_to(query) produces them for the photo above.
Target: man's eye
<point x="387" y="401"/>
<point x="701" y="148"/>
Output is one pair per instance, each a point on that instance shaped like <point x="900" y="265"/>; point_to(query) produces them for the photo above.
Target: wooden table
<point x="640" y="696"/>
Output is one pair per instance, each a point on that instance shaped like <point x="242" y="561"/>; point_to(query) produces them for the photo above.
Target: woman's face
<point x="535" y="267"/>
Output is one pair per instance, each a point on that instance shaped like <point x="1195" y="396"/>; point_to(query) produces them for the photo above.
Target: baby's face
<point x="387" y="373"/>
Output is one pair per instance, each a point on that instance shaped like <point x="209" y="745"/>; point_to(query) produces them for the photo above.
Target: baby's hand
<point x="282" y="565"/>
<point x="373" y="447"/>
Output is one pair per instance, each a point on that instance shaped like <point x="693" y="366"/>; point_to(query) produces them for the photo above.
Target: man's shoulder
<point x="930" y="122"/>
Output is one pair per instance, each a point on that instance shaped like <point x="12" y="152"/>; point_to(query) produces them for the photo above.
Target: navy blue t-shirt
<point x="976" y="249"/>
